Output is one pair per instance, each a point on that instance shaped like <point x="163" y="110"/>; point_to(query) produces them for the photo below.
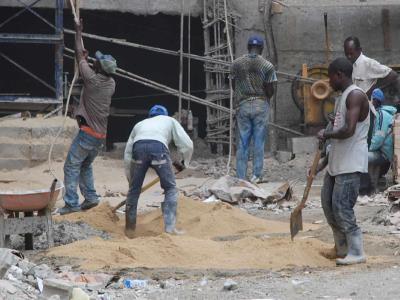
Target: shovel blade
<point x="296" y="222"/>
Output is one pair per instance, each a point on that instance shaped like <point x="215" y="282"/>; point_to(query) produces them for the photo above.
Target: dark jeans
<point x="78" y="169"/>
<point x="150" y="154"/>
<point x="338" y="197"/>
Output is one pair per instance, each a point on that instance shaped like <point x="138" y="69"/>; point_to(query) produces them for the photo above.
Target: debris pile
<point x="64" y="232"/>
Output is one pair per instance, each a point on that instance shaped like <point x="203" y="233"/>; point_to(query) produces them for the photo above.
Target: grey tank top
<point x="349" y="155"/>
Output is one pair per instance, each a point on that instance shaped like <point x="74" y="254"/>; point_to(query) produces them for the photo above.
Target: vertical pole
<point x="189" y="52"/>
<point x="181" y="64"/>
<point x="59" y="49"/>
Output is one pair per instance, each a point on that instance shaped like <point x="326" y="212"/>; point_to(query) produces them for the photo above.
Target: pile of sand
<point x="202" y="247"/>
<point x="18" y="185"/>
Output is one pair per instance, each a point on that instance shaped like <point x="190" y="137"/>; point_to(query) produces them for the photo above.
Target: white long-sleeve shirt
<point x="366" y="72"/>
<point x="163" y="129"/>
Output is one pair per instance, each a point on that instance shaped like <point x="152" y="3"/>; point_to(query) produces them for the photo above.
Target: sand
<point x="247" y="244"/>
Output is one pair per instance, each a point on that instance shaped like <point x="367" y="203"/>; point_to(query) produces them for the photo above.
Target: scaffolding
<point x="217" y="21"/>
<point x="56" y="39"/>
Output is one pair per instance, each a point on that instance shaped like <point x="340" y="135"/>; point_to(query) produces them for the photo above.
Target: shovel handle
<point x="310" y="178"/>
<point x="144" y="188"/>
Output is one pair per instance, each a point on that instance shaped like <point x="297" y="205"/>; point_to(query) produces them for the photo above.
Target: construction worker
<point x="380" y="153"/>
<point x="146" y="148"/>
<point x="368" y="74"/>
<point x="253" y="80"/>
<point x="91" y="114"/>
<point x="348" y="157"/>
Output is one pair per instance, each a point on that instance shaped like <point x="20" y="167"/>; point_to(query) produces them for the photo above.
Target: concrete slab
<point x="15" y="132"/>
<point x="14" y="163"/>
<point x="15" y="150"/>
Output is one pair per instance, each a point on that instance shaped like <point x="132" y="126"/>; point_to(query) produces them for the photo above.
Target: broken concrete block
<point x="25" y="266"/>
<point x="8" y="258"/>
<point x="42" y="271"/>
<point x="62" y="288"/>
<point x="230" y="285"/>
<point x="8" y="287"/>
<point x="307" y="144"/>
<point x="283" y="156"/>
<point x="78" y="294"/>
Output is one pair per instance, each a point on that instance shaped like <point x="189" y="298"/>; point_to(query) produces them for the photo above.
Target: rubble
<point x="230" y="285"/>
<point x="64" y="232"/>
<point x="234" y="190"/>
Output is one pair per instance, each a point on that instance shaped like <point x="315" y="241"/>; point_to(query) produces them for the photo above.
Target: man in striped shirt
<point x="253" y="79"/>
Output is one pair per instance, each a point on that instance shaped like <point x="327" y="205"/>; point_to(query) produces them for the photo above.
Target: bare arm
<point x="383" y="82"/>
<point x="354" y="104"/>
<point x="79" y="51"/>
<point x="269" y="89"/>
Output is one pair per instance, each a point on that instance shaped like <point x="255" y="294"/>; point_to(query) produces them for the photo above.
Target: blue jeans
<point x="78" y="169"/>
<point x="251" y="123"/>
<point x="150" y="154"/>
<point x="338" y="197"/>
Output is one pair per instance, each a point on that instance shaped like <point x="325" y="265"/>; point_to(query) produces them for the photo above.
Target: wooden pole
<point x="181" y="64"/>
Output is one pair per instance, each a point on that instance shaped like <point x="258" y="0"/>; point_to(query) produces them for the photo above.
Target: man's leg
<point x="340" y="249"/>
<point x="344" y="198"/>
<point x="72" y="167"/>
<point x="139" y="167"/>
<point x="163" y="166"/>
<point x="375" y="162"/>
<point x="86" y="182"/>
<point x="243" y="136"/>
<point x="260" y="121"/>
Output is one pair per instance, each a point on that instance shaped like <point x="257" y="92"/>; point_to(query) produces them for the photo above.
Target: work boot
<point x="169" y="215"/>
<point x="340" y="248"/>
<point x="355" y="253"/>
<point x="256" y="180"/>
<point x="68" y="210"/>
<point x="89" y="204"/>
<point x="130" y="223"/>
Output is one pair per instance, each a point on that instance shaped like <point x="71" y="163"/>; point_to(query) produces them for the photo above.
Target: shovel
<point x="178" y="166"/>
<point x="296" y="218"/>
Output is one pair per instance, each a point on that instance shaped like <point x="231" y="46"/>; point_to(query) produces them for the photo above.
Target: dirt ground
<point x="247" y="244"/>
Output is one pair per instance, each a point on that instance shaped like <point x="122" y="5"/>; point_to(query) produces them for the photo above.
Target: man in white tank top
<point x="348" y="158"/>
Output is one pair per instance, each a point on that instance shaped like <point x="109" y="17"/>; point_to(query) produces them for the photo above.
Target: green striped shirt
<point x="250" y="73"/>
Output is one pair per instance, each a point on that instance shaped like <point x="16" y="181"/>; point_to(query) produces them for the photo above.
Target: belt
<point x="252" y="99"/>
<point x="92" y="133"/>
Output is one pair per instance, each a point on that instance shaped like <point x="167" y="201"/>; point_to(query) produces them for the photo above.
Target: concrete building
<point x="298" y="30"/>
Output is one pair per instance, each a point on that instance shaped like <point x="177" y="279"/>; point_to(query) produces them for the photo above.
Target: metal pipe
<point x="37" y="15"/>
<point x="27" y="72"/>
<point x="19" y="13"/>
<point x="150" y="48"/>
<point x="59" y="50"/>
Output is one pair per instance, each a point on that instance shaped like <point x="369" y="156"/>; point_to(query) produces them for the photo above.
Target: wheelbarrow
<point x="26" y="212"/>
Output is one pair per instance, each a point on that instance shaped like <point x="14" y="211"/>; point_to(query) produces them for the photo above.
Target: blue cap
<point x="107" y="62"/>
<point x="158" y="110"/>
<point x="377" y="95"/>
<point x="256" y="40"/>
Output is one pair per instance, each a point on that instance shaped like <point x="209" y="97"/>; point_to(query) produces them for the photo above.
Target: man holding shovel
<point x="146" y="148"/>
<point x="348" y="158"/>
